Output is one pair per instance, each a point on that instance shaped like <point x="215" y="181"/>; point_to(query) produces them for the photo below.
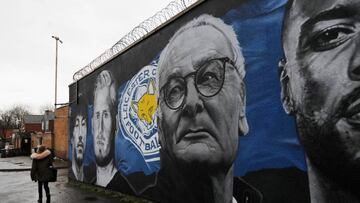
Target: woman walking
<point x="41" y="172"/>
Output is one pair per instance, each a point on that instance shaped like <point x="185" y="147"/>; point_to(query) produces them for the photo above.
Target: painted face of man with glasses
<point x="202" y="97"/>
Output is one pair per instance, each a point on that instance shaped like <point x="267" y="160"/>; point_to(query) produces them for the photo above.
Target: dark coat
<point x="40" y="169"/>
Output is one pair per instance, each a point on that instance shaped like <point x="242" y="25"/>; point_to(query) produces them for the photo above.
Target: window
<point x="47" y="125"/>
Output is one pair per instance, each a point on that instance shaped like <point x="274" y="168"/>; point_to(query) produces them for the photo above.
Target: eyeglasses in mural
<point x="199" y="110"/>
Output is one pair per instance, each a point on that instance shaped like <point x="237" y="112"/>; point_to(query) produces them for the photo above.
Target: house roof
<point x="33" y="118"/>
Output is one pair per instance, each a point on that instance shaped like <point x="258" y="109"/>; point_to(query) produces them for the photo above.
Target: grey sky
<point x="87" y="28"/>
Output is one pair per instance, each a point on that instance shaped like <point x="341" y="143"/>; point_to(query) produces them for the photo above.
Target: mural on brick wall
<point x="199" y="110"/>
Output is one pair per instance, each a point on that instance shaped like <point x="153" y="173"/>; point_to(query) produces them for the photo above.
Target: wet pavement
<point x="16" y="186"/>
<point x="23" y="163"/>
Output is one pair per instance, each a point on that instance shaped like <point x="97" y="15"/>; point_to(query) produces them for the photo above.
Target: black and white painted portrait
<point x="103" y="126"/>
<point x="201" y="109"/>
<point x="78" y="141"/>
<point x="321" y="86"/>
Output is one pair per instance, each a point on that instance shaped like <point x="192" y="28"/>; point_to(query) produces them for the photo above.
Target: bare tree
<point x="13" y="118"/>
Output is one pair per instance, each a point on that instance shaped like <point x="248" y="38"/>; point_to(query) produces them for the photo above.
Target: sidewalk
<point x="15" y="180"/>
<point x="23" y="163"/>
<point x="17" y="187"/>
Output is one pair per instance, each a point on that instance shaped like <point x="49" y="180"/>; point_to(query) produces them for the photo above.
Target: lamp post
<point x="57" y="39"/>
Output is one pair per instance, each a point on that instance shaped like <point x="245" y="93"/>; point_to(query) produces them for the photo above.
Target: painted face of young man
<point x="79" y="136"/>
<point x="203" y="130"/>
<point x="321" y="83"/>
<point x="102" y="127"/>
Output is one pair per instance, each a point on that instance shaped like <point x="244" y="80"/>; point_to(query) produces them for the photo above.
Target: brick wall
<point x="41" y="138"/>
<point x="33" y="127"/>
<point x="51" y="125"/>
<point x="6" y="133"/>
<point x="61" y="132"/>
<point x="46" y="139"/>
<point x="34" y="140"/>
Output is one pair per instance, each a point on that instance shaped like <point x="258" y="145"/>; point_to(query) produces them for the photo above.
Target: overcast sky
<point x="87" y="28"/>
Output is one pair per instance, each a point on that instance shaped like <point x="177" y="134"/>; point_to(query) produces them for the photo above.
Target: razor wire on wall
<point x="138" y="33"/>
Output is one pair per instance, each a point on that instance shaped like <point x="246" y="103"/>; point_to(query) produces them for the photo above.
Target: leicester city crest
<point x="137" y="109"/>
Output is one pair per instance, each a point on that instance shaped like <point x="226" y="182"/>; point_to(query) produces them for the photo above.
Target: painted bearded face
<point x="79" y="136"/>
<point x="102" y="127"/>
<point x="322" y="48"/>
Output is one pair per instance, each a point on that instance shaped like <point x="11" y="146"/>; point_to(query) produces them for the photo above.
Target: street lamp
<point x="57" y="39"/>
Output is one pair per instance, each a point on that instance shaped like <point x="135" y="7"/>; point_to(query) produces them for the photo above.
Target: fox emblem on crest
<point x="146" y="106"/>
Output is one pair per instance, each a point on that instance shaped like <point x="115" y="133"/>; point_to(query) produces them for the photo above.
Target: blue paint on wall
<point x="272" y="141"/>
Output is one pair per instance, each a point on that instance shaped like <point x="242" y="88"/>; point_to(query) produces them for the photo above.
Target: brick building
<point x="32" y="123"/>
<point x="50" y="130"/>
<point x="6" y="133"/>
<point x="61" y="132"/>
<point x="41" y="128"/>
<point x="47" y="125"/>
